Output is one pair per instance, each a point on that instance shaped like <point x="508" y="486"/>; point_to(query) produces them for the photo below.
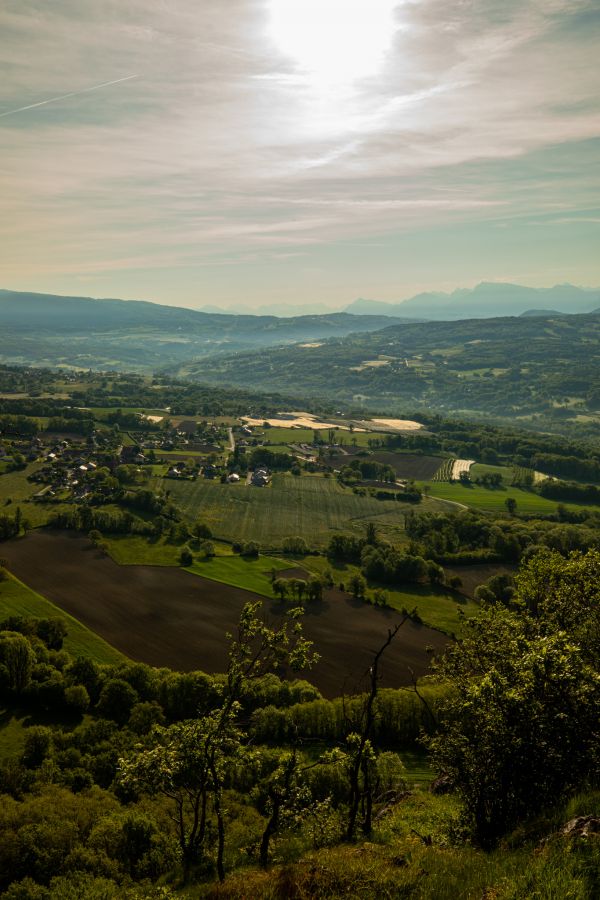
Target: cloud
<point x="221" y="148"/>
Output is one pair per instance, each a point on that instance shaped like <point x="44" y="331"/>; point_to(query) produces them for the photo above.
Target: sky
<point x="301" y="153"/>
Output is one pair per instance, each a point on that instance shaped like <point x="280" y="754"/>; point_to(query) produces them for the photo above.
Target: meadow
<point x="493" y="499"/>
<point x="16" y="599"/>
<point x="310" y="506"/>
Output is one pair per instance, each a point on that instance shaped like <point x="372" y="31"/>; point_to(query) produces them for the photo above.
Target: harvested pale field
<point x="396" y="424"/>
<point x="461" y="465"/>
<point x="296" y="420"/>
<point x="541" y="476"/>
<point x="168" y="617"/>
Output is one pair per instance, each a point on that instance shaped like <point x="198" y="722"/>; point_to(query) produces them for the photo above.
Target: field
<point x="409" y="466"/>
<point x="15" y="487"/>
<point x="437" y="607"/>
<point x="505" y="472"/>
<point x="168" y="617"/>
<point x="311" y="507"/>
<point x="493" y="499"/>
<point x="473" y="576"/>
<point x="16" y="599"/>
<point x="227" y="567"/>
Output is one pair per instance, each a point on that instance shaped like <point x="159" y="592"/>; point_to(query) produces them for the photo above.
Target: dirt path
<point x="166" y="617"/>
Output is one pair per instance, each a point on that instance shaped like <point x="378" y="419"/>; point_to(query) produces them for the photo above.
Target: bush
<point x="185" y="557"/>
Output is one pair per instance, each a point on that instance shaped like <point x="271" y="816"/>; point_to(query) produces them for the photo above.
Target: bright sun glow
<point x="333" y="42"/>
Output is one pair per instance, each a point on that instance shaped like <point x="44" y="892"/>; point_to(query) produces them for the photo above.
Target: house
<point x="260" y="478"/>
<point x="233" y="478"/>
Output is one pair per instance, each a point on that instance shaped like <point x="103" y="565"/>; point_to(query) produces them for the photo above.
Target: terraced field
<point x="311" y="507"/>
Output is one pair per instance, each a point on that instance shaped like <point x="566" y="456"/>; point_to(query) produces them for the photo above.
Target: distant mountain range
<point x="48" y="329"/>
<point x="487" y="300"/>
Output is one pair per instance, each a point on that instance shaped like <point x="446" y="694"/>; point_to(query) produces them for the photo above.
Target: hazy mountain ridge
<point x="122" y="334"/>
<point x="486" y="300"/>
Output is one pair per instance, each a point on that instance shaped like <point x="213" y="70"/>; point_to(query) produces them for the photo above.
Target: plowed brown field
<point x="167" y="617"/>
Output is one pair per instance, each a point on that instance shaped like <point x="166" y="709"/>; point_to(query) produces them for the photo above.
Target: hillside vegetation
<point x="542" y="369"/>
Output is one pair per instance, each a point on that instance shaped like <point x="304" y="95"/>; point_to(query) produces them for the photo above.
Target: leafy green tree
<point x="280" y="588"/>
<point x="77" y="698"/>
<point x="117" y="699"/>
<point x="189" y="762"/>
<point x="511" y="505"/>
<point x="185" y="557"/>
<point x="358" y="586"/>
<point x="521" y="726"/>
<point x="16" y="661"/>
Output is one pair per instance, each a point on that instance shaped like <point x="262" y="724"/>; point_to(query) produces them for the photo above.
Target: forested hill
<point x="544" y="368"/>
<point x="125" y="334"/>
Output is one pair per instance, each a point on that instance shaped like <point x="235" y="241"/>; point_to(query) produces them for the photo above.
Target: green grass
<point x="438" y="607"/>
<point x="305" y="436"/>
<point x="311" y="507"/>
<point x="493" y="500"/>
<point x="15" y="487"/>
<point x="480" y="469"/>
<point x="136" y="550"/>
<point x="226" y="567"/>
<point x="251" y="574"/>
<point x="16" y="599"/>
<point x="288" y="435"/>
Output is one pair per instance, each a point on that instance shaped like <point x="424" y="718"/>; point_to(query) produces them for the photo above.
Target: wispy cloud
<point x="95" y="87"/>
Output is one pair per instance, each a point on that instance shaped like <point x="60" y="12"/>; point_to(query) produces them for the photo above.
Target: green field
<point x="251" y="574"/>
<point x="288" y="435"/>
<point x="493" y="499"/>
<point x="226" y="567"/>
<point x="15" y="487"/>
<point x="311" y="507"/>
<point x="16" y="599"/>
<point x="438" y="607"/>
<point x="480" y="469"/>
<point x="135" y="550"/>
<point x="275" y="435"/>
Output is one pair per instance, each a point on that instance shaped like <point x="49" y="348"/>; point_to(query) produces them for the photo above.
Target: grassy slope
<point x="226" y="567"/>
<point x="480" y="469"/>
<point x="19" y="600"/>
<point x="16" y="487"/>
<point x="438" y="608"/>
<point x="311" y="507"/>
<point x="493" y="500"/>
<point x="414" y="853"/>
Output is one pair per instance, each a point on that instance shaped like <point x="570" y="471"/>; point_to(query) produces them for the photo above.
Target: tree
<point x="189" y="762"/>
<point x="16" y="661"/>
<point x="185" y="557"/>
<point x="280" y="588"/>
<point x="358" y="586"/>
<point x="361" y="757"/>
<point x="511" y="505"/>
<point x="117" y="698"/>
<point x="520" y="727"/>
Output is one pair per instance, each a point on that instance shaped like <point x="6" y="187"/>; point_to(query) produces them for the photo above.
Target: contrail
<point x="96" y="87"/>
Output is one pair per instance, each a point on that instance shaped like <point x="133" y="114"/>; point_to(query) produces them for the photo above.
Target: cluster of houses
<point x="260" y="477"/>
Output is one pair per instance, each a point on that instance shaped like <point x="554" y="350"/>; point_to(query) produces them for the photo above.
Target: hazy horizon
<point x="296" y="152"/>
